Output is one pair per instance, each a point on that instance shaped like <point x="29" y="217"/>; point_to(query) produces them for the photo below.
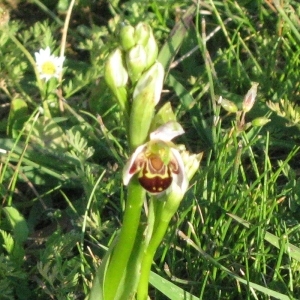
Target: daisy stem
<point x="38" y="80"/>
<point x="124" y="246"/>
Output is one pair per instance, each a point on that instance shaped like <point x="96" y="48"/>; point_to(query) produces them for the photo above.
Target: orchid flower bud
<point x="127" y="39"/>
<point x="116" y="77"/>
<point x="250" y="97"/>
<point x="259" y="122"/>
<point x="151" y="50"/>
<point x="136" y="62"/>
<point x="142" y="33"/>
<point x="229" y="106"/>
<point x="115" y="72"/>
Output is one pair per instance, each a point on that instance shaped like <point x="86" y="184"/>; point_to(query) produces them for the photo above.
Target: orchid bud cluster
<point x="128" y="63"/>
<point x="247" y="105"/>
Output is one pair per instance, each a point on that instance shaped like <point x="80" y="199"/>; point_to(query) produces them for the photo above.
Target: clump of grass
<point x="236" y="234"/>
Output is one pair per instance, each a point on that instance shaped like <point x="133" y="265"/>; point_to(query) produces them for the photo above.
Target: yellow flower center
<point x="48" y="68"/>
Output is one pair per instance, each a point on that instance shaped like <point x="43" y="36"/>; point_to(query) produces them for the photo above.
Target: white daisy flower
<point x="48" y="65"/>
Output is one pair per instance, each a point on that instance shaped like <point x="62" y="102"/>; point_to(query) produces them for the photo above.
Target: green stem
<point x="133" y="270"/>
<point x="164" y="211"/>
<point x="124" y="246"/>
<point x="142" y="291"/>
<point x="128" y="288"/>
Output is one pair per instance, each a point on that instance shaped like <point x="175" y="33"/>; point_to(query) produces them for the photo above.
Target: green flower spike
<point x="158" y="163"/>
<point x="146" y="95"/>
<point x="116" y="77"/>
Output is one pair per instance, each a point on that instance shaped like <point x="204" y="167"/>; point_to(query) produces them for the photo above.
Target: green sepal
<point x="145" y="97"/>
<point x="163" y="116"/>
<point x="142" y="111"/>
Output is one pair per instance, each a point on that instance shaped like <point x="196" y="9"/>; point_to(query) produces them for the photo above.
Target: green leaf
<point x="97" y="287"/>
<point x="18" y="111"/>
<point x="18" y="224"/>
<point x="172" y="45"/>
<point x="184" y="96"/>
<point x="264" y="290"/>
<point x="170" y="289"/>
<point x="8" y="241"/>
<point x="277" y="242"/>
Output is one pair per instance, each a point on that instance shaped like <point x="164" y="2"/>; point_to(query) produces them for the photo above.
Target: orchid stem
<point x="164" y="211"/>
<point x="124" y="246"/>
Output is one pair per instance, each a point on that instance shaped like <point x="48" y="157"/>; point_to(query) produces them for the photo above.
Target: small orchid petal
<point x="126" y="171"/>
<point x="167" y="132"/>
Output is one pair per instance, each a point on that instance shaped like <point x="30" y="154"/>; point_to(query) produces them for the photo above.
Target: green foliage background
<point x="60" y="177"/>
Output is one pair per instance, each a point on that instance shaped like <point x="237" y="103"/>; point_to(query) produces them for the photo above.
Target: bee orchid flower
<point x="157" y="163"/>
